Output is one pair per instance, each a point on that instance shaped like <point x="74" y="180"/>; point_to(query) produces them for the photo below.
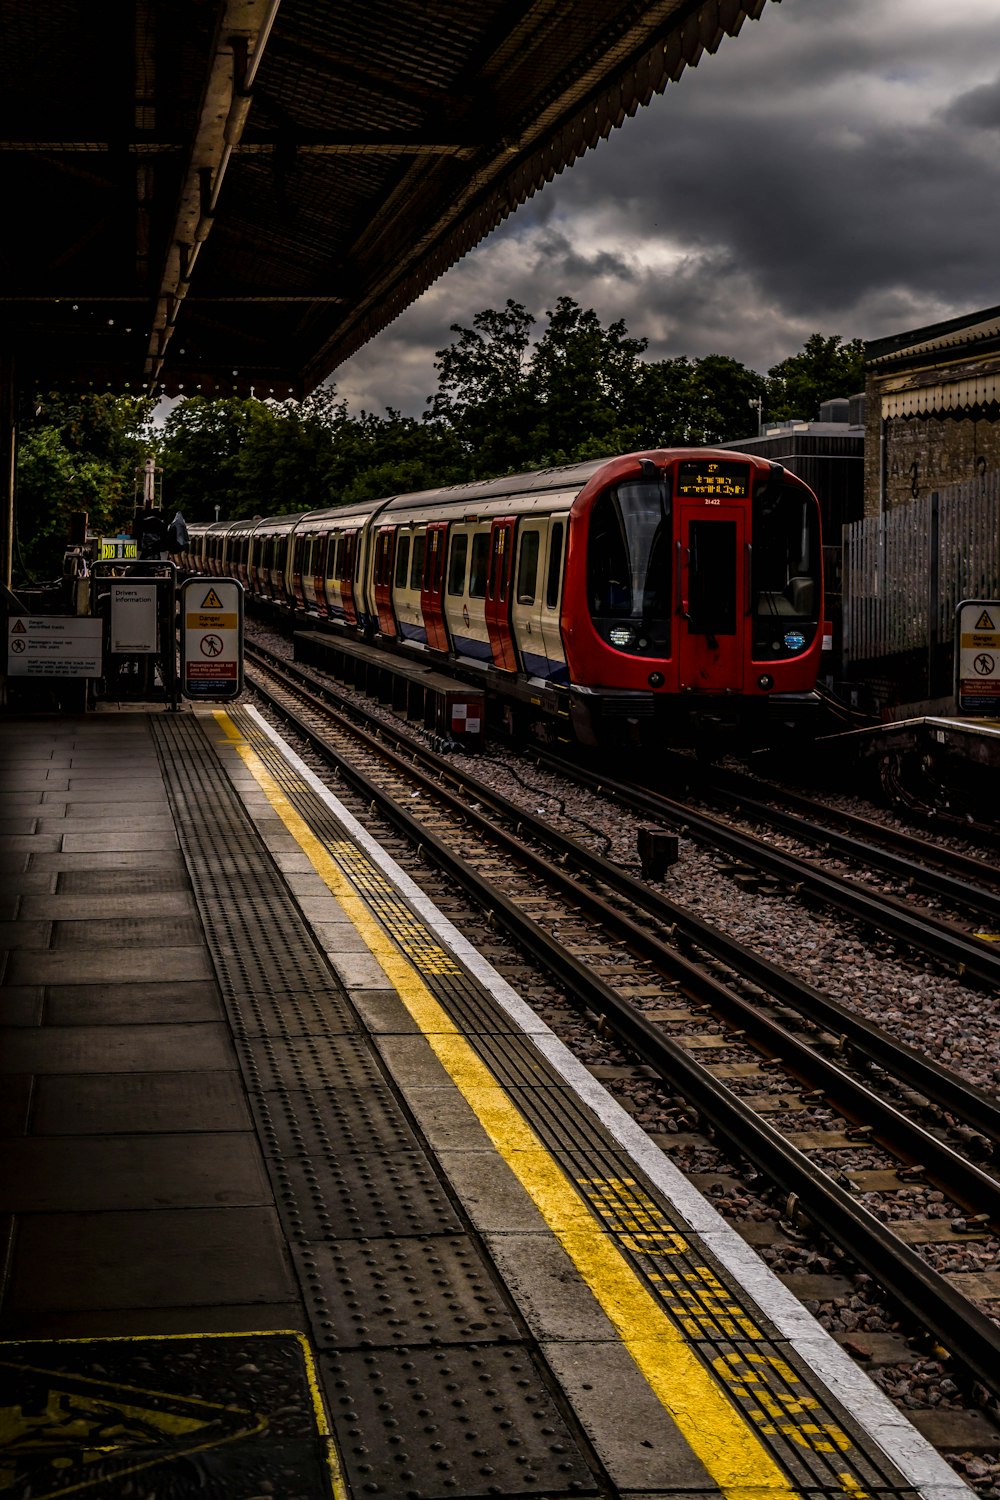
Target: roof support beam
<point x="242" y="32"/>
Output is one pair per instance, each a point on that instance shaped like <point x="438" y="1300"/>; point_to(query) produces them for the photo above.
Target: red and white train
<point x="663" y="593"/>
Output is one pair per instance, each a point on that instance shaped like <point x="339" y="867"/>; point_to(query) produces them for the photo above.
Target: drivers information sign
<point x="713" y="479"/>
<point x="211" y="615"/>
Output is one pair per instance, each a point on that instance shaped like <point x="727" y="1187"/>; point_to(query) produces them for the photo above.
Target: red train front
<point x="693" y="594"/>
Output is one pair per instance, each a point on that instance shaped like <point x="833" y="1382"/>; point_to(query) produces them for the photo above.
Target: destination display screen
<point x="713" y="478"/>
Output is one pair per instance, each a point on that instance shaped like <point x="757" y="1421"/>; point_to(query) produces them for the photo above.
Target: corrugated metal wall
<point x="906" y="572"/>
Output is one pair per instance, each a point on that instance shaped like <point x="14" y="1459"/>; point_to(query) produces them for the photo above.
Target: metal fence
<point x="906" y="572"/>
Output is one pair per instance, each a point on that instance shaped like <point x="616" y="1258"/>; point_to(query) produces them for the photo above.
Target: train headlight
<point x="764" y="682"/>
<point x="655" y="679"/>
<point x="794" y="640"/>
<point x="621" y="635"/>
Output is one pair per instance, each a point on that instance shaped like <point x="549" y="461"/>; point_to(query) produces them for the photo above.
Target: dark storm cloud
<point x="832" y="169"/>
<point x="979" y="107"/>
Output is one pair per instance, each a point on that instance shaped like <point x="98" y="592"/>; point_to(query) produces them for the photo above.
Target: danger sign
<point x="977" y="657"/>
<point x="211" y="639"/>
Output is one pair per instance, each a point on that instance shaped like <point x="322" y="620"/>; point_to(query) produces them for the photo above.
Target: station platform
<point x="298" y="1198"/>
<point x="953" y="743"/>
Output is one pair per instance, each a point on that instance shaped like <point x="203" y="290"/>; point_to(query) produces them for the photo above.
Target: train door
<point x="528" y="595"/>
<point x="385" y="561"/>
<point x="349" y="561"/>
<point x="711" y="597"/>
<point x="318" y="593"/>
<point x="498" y="592"/>
<point x="468" y="570"/>
<point x="299" y="560"/>
<point x="432" y="585"/>
<point x="550" y="598"/>
<point x="407" y="583"/>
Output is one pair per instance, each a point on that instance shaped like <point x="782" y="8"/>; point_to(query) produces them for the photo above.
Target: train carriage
<point x="654" y="595"/>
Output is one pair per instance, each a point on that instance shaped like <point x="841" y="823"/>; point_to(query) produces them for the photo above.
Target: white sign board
<point x="53" y="646"/>
<point x="133" y="617"/>
<point x="211" y="638"/>
<point x="977" y="657"/>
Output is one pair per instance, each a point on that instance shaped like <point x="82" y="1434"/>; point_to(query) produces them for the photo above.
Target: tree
<point x="394" y="455"/>
<point x="721" y="394"/>
<point x="585" y="381"/>
<point x="200" y="450"/>
<point x="483" y="393"/>
<point x="825" y="368"/>
<point x="75" y="454"/>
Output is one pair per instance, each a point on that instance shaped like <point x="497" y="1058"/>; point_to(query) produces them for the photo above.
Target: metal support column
<point x="8" y="447"/>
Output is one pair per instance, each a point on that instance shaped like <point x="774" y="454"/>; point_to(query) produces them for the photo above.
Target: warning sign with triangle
<point x="984" y="622"/>
<point x="18" y="628"/>
<point x="211" y="601"/>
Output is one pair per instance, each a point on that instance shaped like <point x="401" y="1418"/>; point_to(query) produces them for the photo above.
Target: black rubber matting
<point x="227" y="1418"/>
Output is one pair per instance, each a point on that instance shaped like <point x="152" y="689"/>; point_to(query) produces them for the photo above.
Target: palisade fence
<point x="906" y="572"/>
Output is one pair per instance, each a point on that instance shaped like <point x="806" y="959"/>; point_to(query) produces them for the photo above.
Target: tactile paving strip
<point x="806" y="1435"/>
<point x="463" y="1421"/>
<point x="409" y="1291"/>
<point x="362" y="1205"/>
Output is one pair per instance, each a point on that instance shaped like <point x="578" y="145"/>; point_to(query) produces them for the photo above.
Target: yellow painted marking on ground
<point x="70" y="1414"/>
<point x="720" y="1436"/>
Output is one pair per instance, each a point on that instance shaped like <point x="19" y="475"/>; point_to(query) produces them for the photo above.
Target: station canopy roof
<point x="226" y="195"/>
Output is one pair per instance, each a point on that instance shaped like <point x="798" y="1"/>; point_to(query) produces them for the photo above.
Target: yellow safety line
<point x="726" y="1445"/>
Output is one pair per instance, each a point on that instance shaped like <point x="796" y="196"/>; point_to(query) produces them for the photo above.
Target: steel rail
<point x="884" y="913"/>
<point x="914" y="1284"/>
<point x="952" y="1093"/>
<point x="909" y="865"/>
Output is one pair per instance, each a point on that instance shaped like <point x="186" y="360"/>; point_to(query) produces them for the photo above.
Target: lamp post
<point x="758" y="403"/>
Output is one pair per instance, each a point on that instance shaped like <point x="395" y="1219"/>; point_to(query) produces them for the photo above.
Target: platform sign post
<point x="977" y="658"/>
<point x="211" y="631"/>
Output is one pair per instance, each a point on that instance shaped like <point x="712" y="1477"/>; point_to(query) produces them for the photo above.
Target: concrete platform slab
<point x="137" y="1103"/>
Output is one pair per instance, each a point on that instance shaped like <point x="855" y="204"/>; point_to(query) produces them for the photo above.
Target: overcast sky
<point x="834" y="168"/>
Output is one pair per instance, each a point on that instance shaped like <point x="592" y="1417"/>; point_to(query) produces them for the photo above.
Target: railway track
<point x="964" y="945"/>
<point x="750" y="1047"/>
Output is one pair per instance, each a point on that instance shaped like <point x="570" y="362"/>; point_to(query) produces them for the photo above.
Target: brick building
<point x="932" y="408"/>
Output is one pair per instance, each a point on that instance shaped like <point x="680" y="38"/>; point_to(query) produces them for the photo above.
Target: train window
<point x="417" y="565"/>
<point x="496" y="583"/>
<point x="338" y="552"/>
<point x="628" y="567"/>
<point x="433" y="561"/>
<point x="527" y="567"/>
<point x="479" y="567"/>
<point x="555" y="562"/>
<point x="712" y="578"/>
<point x="456" y="564"/>
<point x="784" y="572"/>
<point x="402" y="560"/>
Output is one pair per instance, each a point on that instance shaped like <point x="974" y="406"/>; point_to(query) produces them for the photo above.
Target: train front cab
<point x="700" y="578"/>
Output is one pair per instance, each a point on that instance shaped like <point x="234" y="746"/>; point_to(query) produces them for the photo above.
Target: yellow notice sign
<point x="211" y="600"/>
<point x="985" y="622"/>
<point x="212" y="621"/>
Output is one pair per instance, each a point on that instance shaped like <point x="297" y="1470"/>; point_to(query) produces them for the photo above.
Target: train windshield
<point x="785" y="573"/>
<point x="628" y="567"/>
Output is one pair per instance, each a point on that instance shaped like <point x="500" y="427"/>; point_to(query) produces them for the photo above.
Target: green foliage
<point x="483" y="396"/>
<point x="75" y="454"/>
<point x="583" y="391"/>
<point x="200" y="452"/>
<point x="825" y="368"/>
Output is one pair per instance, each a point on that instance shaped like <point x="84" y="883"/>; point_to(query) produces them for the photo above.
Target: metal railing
<point x="905" y="572"/>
